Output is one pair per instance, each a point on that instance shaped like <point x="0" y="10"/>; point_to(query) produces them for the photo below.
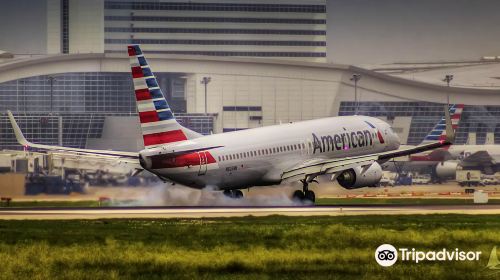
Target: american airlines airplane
<point x="350" y="148"/>
<point x="440" y="163"/>
<point x="443" y="163"/>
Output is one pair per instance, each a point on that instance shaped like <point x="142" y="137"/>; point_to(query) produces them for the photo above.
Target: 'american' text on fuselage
<point x="342" y="141"/>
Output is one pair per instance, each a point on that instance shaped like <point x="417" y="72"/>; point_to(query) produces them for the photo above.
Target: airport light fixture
<point x="205" y="82"/>
<point x="355" y="78"/>
<point x="448" y="79"/>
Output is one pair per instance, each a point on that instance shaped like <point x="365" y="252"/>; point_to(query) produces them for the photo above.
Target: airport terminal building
<point x="81" y="93"/>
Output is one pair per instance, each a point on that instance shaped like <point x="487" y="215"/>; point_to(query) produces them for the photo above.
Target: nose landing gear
<point x="305" y="195"/>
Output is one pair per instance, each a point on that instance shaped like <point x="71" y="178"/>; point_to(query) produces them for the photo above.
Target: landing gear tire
<point x="236" y="194"/>
<point x="298" y="195"/>
<point x="304" y="195"/>
<point x="227" y="193"/>
<point x="309" y="196"/>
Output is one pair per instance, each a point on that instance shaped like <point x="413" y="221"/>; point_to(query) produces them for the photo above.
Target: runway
<point x="211" y="212"/>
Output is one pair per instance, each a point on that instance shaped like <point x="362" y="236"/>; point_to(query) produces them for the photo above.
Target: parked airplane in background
<point x="438" y="162"/>
<point x="442" y="163"/>
<point x="350" y="148"/>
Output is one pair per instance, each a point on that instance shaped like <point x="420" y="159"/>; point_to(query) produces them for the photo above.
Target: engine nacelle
<point x="145" y="161"/>
<point x="360" y="177"/>
<point x="446" y="169"/>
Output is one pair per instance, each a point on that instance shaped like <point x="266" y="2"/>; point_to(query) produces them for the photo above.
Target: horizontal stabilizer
<point x="22" y="140"/>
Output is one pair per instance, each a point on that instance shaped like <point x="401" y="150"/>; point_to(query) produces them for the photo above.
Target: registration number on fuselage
<point x="231" y="168"/>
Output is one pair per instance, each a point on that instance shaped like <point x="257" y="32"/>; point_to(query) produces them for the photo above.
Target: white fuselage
<point x="259" y="156"/>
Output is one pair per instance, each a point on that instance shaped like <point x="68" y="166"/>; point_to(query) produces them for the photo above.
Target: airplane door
<point x="303" y="148"/>
<point x="203" y="163"/>
<point x="309" y="146"/>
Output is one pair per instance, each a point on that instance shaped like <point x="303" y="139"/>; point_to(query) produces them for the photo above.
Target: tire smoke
<point x="174" y="195"/>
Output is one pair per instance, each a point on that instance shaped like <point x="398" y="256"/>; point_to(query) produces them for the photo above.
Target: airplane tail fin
<point x="158" y="123"/>
<point x="439" y="131"/>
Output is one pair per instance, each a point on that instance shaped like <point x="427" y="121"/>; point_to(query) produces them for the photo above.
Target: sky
<point x="385" y="31"/>
<point x="359" y="31"/>
<point x="23" y="26"/>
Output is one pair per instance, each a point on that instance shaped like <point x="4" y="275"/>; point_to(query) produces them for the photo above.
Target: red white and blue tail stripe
<point x="158" y="123"/>
<point x="439" y="131"/>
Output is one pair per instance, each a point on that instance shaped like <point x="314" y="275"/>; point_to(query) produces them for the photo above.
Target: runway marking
<point x="200" y="212"/>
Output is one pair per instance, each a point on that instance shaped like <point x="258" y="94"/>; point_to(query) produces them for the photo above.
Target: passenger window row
<point x="263" y="152"/>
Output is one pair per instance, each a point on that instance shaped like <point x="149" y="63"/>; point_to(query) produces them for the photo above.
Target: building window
<point x="214" y="30"/>
<point x="222" y="7"/>
<point x="65" y="26"/>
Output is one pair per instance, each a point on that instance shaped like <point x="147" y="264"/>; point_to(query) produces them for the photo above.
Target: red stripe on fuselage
<point x="137" y="72"/>
<point x="434" y="157"/>
<point x="164" y="137"/>
<point x="142" y="94"/>
<point x="149" y="116"/>
<point x="422" y="158"/>
<point x="168" y="161"/>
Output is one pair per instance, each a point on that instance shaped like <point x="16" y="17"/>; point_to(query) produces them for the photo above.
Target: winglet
<point x="19" y="134"/>
<point x="450" y="133"/>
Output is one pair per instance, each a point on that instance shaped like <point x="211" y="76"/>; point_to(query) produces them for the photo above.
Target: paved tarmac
<point x="199" y="212"/>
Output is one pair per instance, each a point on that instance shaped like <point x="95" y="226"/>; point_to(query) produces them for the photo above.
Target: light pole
<point x="205" y="81"/>
<point x="52" y="80"/>
<point x="448" y="79"/>
<point x="355" y="78"/>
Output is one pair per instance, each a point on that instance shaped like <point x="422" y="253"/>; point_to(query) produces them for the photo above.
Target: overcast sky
<point x="359" y="31"/>
<point x="23" y="26"/>
<point x="381" y="31"/>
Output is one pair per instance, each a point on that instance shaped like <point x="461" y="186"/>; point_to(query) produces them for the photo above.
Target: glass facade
<point x="231" y="53"/>
<point x="69" y="92"/>
<point x="478" y="119"/>
<point x="44" y="129"/>
<point x="81" y="101"/>
<point x="219" y="29"/>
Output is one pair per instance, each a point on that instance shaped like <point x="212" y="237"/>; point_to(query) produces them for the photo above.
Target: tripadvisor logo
<point x="387" y="255"/>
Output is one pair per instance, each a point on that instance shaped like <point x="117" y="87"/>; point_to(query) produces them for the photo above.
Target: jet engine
<point x="145" y="161"/>
<point x="360" y="177"/>
<point x="446" y="169"/>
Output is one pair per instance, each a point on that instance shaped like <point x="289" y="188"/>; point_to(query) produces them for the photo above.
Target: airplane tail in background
<point x="439" y="131"/>
<point x="157" y="120"/>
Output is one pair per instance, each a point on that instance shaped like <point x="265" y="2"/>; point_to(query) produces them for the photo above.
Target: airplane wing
<point x="22" y="140"/>
<point x="310" y="169"/>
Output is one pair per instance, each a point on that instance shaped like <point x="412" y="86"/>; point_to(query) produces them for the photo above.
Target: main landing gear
<point x="304" y="195"/>
<point x="236" y="194"/>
